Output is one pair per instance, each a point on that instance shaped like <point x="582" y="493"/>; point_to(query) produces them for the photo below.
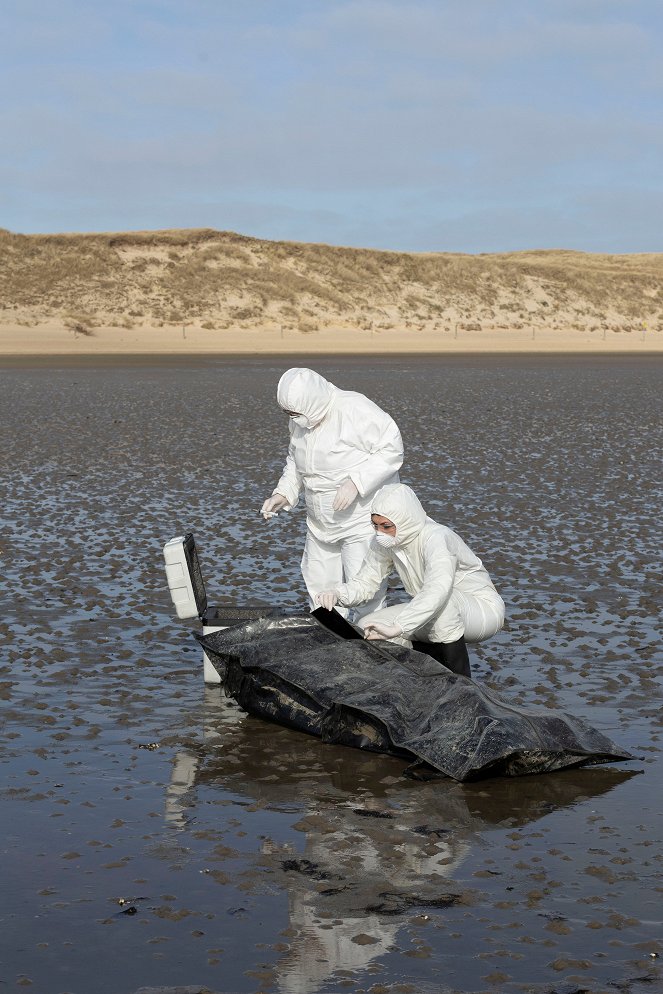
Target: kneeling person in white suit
<point x="453" y="598"/>
<point x="343" y="448"/>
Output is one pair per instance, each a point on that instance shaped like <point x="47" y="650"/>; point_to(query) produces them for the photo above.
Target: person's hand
<point x="273" y="505"/>
<point x="381" y="630"/>
<point x="327" y="599"/>
<point x="345" y="495"/>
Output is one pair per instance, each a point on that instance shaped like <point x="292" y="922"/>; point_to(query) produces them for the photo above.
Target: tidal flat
<point x="155" y="837"/>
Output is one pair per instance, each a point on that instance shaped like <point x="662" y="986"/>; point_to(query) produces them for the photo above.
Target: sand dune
<point x="209" y="291"/>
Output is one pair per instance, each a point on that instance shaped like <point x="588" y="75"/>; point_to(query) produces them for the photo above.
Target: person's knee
<point x="371" y="616"/>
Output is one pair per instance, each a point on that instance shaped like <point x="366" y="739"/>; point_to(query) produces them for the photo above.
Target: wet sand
<point x="155" y="837"/>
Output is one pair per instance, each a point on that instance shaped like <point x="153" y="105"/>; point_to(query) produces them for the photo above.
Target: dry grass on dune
<point x="220" y="280"/>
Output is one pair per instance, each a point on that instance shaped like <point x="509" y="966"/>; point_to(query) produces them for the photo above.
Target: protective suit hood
<point x="401" y="505"/>
<point x="305" y="392"/>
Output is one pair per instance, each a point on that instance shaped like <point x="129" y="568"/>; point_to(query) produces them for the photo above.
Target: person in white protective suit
<point x="453" y="598"/>
<point x="343" y="448"/>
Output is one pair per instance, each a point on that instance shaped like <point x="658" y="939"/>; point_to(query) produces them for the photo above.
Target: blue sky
<point x="445" y="125"/>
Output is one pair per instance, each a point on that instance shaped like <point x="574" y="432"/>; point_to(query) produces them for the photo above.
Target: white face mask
<point x="302" y="421"/>
<point x="386" y="541"/>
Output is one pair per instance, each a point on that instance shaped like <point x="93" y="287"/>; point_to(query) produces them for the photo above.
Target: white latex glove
<point x="381" y="630"/>
<point x="327" y="599"/>
<point x="345" y="495"/>
<point x="273" y="505"/>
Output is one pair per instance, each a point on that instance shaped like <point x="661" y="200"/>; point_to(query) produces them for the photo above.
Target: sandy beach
<point x="56" y="340"/>
<point x="200" y="291"/>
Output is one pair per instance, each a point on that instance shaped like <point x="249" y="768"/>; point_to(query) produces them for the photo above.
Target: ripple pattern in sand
<point x="253" y="858"/>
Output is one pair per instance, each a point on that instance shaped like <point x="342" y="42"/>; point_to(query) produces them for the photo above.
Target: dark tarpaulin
<point x="391" y="699"/>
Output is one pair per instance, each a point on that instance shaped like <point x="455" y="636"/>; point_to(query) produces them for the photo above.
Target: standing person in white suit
<point x="453" y="598"/>
<point x="343" y="448"/>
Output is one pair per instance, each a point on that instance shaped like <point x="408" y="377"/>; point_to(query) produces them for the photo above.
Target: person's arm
<point x="437" y="587"/>
<point x="366" y="583"/>
<point x="384" y="454"/>
<point x="291" y="483"/>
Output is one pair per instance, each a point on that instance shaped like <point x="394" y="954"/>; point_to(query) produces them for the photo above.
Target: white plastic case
<point x="179" y="579"/>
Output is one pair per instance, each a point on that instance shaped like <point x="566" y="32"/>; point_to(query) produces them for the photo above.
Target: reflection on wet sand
<point x="370" y="855"/>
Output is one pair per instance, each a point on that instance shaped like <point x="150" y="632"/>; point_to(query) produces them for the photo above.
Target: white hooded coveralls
<point x="350" y="438"/>
<point x="452" y="593"/>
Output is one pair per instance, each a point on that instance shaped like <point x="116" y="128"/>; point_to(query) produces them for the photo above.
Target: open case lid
<point x="188" y="594"/>
<point x="185" y="579"/>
